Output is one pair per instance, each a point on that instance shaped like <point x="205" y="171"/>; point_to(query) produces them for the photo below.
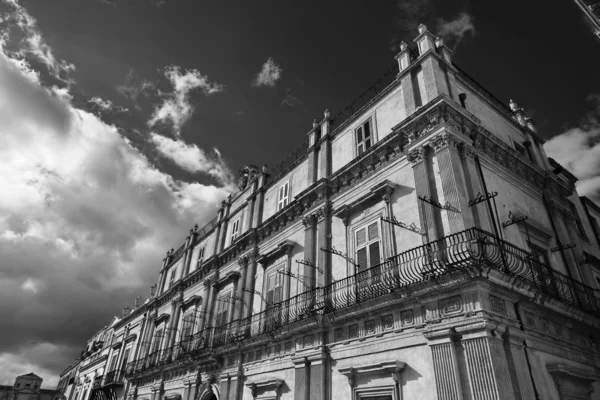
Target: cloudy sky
<point x="125" y="121"/>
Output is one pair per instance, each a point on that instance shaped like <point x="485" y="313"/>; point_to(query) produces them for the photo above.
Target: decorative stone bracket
<point x="266" y="389"/>
<point x="572" y="382"/>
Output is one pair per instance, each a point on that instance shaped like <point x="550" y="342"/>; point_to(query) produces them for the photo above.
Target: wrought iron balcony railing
<point x="114" y="377"/>
<point x="469" y="251"/>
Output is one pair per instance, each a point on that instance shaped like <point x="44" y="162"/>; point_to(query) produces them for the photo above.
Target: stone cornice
<point x="191" y="301"/>
<point x="161" y="317"/>
<point x="282" y="248"/>
<point x="380" y="192"/>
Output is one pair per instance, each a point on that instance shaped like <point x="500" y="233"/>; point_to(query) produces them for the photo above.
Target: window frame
<point x="285" y="200"/>
<point x="365" y="277"/>
<point x="235" y="230"/>
<point x="372" y="136"/>
<point x="173" y="278"/>
<point x="225" y="310"/>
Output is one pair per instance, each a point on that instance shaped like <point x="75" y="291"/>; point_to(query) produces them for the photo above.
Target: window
<point x="125" y="359"/>
<point x="222" y="310"/>
<point x="201" y="255"/>
<point x="172" y="280"/>
<point x="113" y="362"/>
<point x="364" y="137"/>
<point x="577" y="221"/>
<point x="188" y="326"/>
<point x="541" y="269"/>
<point x="274" y="297"/>
<point x="157" y="339"/>
<point x="283" y="196"/>
<point x="235" y="228"/>
<point x="27" y="385"/>
<point x="368" y="254"/>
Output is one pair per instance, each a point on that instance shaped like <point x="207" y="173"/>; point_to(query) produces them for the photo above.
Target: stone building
<point x="419" y="245"/>
<point x="27" y="387"/>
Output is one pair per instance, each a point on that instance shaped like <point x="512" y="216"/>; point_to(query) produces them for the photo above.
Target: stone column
<point x="453" y="182"/>
<point x="206" y="302"/>
<point x="518" y="365"/>
<point x="324" y="241"/>
<point x="317" y="378"/>
<point x="287" y="279"/>
<point x="250" y="285"/>
<point x="473" y="184"/>
<point x="309" y="222"/>
<point x="406" y="78"/>
<point x="313" y="156"/>
<point x="175" y="322"/>
<point x="147" y="341"/>
<point x="301" y="378"/>
<point x="445" y="365"/>
<point x="487" y="366"/>
<point x="428" y="214"/>
<point x="260" y="198"/>
<point x="239" y="312"/>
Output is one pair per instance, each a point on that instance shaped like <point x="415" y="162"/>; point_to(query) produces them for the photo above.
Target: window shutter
<point x="362" y="259"/>
<point x="277" y="295"/>
<point x="359" y="132"/>
<point x="374" y="254"/>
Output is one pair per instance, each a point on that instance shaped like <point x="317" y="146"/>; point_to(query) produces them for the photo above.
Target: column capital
<point x="308" y="221"/>
<point x="417" y="155"/>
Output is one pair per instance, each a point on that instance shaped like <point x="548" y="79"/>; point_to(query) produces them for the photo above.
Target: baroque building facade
<point x="419" y="245"/>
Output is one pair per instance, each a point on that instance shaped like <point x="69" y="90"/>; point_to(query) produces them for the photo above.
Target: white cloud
<point x="106" y="105"/>
<point x="578" y="150"/>
<point x="176" y="109"/>
<point x="85" y="219"/>
<point x="268" y="75"/>
<point x="30" y="286"/>
<point x="193" y="159"/>
<point x="33" y="43"/>
<point x="455" y="30"/>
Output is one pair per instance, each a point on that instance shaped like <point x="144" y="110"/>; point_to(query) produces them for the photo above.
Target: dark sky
<point x="88" y="211"/>
<point x="542" y="54"/>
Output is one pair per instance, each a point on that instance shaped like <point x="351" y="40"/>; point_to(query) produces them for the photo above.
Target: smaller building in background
<point x="26" y="387"/>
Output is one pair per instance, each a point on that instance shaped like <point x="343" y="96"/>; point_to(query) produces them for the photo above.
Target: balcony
<point x="97" y="382"/>
<point x="468" y="254"/>
<point x="114" y="378"/>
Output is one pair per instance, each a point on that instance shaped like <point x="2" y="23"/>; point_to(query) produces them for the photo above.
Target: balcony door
<point x="368" y="258"/>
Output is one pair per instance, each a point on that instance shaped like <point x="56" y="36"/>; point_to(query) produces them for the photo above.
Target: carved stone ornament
<point x="416" y="156"/>
<point x="308" y="221"/>
<point x="407" y="317"/>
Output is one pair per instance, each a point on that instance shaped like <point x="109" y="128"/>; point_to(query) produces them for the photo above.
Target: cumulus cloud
<point x="176" y="109"/>
<point x="578" y="150"/>
<point x="85" y="219"/>
<point x="30" y="42"/>
<point x="455" y="30"/>
<point x="268" y="75"/>
<point x="290" y="100"/>
<point x="106" y="106"/>
<point x="193" y="159"/>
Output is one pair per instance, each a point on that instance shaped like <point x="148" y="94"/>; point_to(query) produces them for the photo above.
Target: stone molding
<point x="572" y="382"/>
<point x="393" y="367"/>
<point x="265" y="385"/>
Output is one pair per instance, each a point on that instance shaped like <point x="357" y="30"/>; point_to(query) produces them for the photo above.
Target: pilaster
<point x="428" y="215"/>
<point x="323" y="217"/>
<point x="453" y="183"/>
<point x="487" y="366"/>
<point x="519" y="365"/>
<point x="445" y="364"/>
<point x="310" y="226"/>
